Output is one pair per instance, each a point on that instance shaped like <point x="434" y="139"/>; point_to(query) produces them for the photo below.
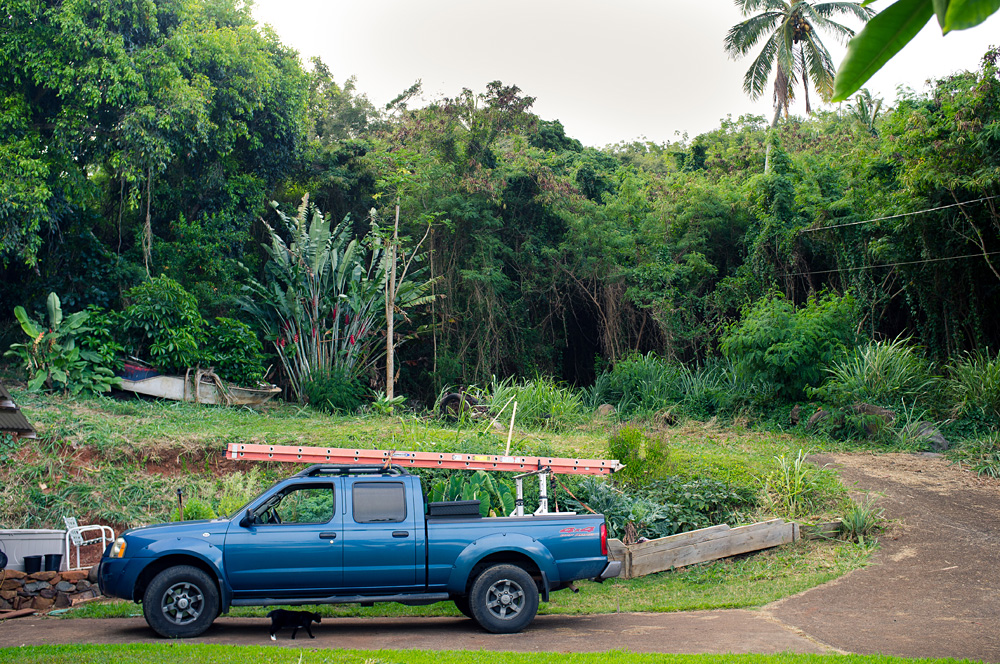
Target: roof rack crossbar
<point x="318" y="469"/>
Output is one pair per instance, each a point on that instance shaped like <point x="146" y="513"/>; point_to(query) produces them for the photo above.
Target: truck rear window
<point x="379" y="502"/>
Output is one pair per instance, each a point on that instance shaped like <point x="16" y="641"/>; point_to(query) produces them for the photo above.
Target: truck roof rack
<point x="319" y="469"/>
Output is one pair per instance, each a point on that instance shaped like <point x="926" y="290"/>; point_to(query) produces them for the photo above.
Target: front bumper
<point x="611" y="570"/>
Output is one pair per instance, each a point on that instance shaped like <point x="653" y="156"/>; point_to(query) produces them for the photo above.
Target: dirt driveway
<point x="932" y="591"/>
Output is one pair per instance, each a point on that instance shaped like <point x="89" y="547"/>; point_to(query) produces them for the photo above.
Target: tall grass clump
<point x="882" y="373"/>
<point x="862" y="520"/>
<point x="541" y="402"/>
<point x="973" y="385"/>
<point x="797" y="487"/>
<point x="637" y="384"/>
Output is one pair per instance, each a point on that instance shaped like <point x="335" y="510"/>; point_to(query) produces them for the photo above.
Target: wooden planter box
<point x="699" y="546"/>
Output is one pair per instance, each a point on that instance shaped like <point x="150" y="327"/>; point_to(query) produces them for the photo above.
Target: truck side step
<point x="414" y="598"/>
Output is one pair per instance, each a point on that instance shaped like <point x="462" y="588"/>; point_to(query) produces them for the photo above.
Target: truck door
<point x="293" y="547"/>
<point x="381" y="537"/>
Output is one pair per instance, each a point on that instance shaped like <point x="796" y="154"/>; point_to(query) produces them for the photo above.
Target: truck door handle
<point x="328" y="536"/>
<point x="400" y="533"/>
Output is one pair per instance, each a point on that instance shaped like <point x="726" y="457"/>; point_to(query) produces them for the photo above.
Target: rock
<point x="816" y="418"/>
<point x="80" y="598"/>
<point x="42" y="604"/>
<point x="883" y="414"/>
<point x="43" y="576"/>
<point x="62" y="601"/>
<point x="83" y="585"/>
<point x="12" y="584"/>
<point x="927" y="432"/>
<point x="35" y="586"/>
<point x="75" y="575"/>
<point x="605" y="410"/>
<point x="8" y="594"/>
<point x="48" y="593"/>
<point x="92" y="574"/>
<point x="5" y="605"/>
<point x="66" y="587"/>
<point x="796" y="415"/>
<point x="14" y="574"/>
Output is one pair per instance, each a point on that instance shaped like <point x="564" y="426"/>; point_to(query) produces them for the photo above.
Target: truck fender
<point x="191" y="547"/>
<point x="501" y="543"/>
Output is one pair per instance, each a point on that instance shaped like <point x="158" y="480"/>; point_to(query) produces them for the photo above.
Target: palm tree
<point x="791" y="45"/>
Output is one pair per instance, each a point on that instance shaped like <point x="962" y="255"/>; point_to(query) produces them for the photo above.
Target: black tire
<point x="181" y="602"/>
<point x="462" y="603"/>
<point x="504" y="599"/>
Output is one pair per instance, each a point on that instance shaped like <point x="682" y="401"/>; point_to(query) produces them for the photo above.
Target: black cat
<point x="281" y="618"/>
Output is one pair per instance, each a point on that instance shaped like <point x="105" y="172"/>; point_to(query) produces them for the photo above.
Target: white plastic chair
<point x="74" y="537"/>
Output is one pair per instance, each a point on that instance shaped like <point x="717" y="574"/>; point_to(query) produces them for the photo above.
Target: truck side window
<point x="303" y="505"/>
<point x="379" y="502"/>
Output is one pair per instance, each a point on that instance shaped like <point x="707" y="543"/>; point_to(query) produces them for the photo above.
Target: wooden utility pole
<point x="390" y="309"/>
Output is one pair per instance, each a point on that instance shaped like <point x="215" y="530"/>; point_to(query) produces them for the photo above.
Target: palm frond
<point x="756" y="77"/>
<point x="828" y="9"/>
<point x="742" y="37"/>
<point x="820" y="66"/>
<point x="750" y="6"/>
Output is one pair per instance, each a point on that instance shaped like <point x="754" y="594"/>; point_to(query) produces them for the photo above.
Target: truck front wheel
<point x="504" y="599"/>
<point x="180" y="602"/>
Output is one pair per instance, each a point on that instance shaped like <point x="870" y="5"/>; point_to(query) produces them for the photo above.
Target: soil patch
<point x="931" y="590"/>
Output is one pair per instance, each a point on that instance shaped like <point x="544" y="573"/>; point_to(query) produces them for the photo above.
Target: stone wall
<point x="44" y="590"/>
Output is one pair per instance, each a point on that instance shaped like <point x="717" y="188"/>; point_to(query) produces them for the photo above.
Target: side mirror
<point x="247" y="519"/>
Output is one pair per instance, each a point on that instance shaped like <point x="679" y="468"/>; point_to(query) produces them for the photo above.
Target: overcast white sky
<point x="610" y="70"/>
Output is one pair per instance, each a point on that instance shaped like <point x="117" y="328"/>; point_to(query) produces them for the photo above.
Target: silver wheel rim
<point x="183" y="603"/>
<point x="505" y="599"/>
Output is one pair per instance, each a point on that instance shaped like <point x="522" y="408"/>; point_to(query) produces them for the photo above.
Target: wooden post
<point x="390" y="308"/>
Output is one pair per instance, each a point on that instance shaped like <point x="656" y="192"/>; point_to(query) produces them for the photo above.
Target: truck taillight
<point x="604" y="539"/>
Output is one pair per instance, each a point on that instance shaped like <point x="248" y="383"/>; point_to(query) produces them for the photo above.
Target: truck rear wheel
<point x="180" y="602"/>
<point x="504" y="599"/>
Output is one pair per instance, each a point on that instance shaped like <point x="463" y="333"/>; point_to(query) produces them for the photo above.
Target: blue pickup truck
<point x="353" y="534"/>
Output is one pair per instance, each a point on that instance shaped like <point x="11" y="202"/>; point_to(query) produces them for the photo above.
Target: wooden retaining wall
<point x="699" y="546"/>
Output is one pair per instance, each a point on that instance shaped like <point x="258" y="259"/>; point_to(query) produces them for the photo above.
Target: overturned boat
<point x="196" y="386"/>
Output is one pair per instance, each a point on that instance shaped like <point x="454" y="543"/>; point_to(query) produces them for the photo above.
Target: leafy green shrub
<point x="334" y="391"/>
<point x="100" y="341"/>
<point x="541" y="402"/>
<point x="645" y="458"/>
<point x="974" y="384"/>
<point x="54" y="359"/>
<point x="791" y="347"/>
<point x="665" y="508"/>
<point x="195" y="509"/>
<point x="698" y="503"/>
<point x="235" y="352"/>
<point x="882" y="373"/>
<point x="162" y="323"/>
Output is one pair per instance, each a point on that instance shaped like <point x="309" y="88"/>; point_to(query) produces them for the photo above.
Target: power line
<point x="897" y="216"/>
<point x="872" y="267"/>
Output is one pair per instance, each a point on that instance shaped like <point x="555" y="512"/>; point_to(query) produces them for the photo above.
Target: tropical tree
<point x="792" y="46"/>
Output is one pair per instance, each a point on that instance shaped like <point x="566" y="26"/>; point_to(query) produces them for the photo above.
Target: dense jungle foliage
<point x="146" y="139"/>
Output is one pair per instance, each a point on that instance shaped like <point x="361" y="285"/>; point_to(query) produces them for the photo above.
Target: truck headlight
<point x="118" y="548"/>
